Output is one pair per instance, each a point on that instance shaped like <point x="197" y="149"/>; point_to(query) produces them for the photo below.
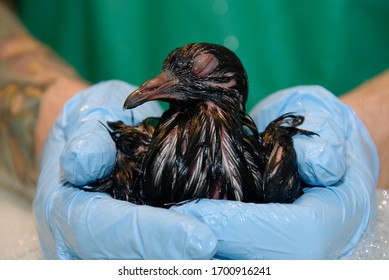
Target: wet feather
<point x="205" y="145"/>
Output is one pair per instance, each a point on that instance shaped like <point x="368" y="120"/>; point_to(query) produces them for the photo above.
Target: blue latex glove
<point x="326" y="222"/>
<point x="323" y="223"/>
<point x="76" y="224"/>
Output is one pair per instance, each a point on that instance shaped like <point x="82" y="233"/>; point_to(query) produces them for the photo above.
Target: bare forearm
<point x="34" y="85"/>
<point x="27" y="63"/>
<point x="371" y="103"/>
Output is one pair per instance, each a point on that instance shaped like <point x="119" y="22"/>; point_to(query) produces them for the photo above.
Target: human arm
<point x="34" y="85"/>
<point x="370" y="102"/>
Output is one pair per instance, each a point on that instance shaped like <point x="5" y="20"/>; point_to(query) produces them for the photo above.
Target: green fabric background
<point x="334" y="43"/>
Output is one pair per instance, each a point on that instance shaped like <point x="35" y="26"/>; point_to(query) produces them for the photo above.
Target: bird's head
<point x="196" y="72"/>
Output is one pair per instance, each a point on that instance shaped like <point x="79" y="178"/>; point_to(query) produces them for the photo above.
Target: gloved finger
<point x="89" y="156"/>
<point x="89" y="152"/>
<point x="324" y="223"/>
<point x="75" y="224"/>
<point x="321" y="159"/>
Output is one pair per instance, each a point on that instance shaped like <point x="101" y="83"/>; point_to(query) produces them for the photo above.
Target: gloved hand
<point x="74" y="224"/>
<point x="327" y="221"/>
<point x="324" y="223"/>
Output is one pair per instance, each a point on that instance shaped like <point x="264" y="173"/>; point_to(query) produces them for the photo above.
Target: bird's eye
<point x="182" y="64"/>
<point x="204" y="65"/>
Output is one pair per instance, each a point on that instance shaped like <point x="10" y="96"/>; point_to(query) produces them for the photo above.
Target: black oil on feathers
<point x="205" y="145"/>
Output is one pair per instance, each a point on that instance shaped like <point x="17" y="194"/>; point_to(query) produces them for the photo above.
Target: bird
<point x="131" y="146"/>
<point x="205" y="145"/>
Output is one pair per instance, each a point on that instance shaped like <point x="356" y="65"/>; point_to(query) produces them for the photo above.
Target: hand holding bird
<point x="78" y="224"/>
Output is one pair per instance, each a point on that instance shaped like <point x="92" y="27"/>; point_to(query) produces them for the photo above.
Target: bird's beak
<point x="154" y="89"/>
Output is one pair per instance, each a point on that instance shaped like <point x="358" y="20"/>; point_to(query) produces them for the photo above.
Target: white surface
<point x="375" y="242"/>
<point x="18" y="238"/>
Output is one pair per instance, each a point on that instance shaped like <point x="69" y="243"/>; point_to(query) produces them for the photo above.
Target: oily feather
<point x="281" y="180"/>
<point x="131" y="146"/>
<point x="205" y="145"/>
<point x="200" y="153"/>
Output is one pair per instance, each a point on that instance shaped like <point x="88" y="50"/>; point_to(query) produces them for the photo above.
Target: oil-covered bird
<point x="205" y="145"/>
<point x="131" y="145"/>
